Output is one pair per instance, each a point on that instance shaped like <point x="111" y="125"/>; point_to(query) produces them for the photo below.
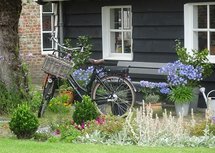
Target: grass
<point x="26" y="146"/>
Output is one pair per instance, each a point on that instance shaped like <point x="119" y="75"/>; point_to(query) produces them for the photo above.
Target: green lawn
<point x="25" y="146"/>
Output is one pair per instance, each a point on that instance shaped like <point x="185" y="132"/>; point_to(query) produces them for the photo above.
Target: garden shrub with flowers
<point x="181" y="78"/>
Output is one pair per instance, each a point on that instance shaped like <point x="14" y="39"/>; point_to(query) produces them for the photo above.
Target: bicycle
<point x="112" y="92"/>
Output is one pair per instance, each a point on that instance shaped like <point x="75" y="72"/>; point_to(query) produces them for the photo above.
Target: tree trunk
<point x="11" y="70"/>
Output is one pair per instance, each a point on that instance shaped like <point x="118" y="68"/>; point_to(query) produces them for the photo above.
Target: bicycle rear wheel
<point x="48" y="93"/>
<point x="114" y="95"/>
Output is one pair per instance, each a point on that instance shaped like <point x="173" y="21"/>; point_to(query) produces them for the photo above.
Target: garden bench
<point x="143" y="68"/>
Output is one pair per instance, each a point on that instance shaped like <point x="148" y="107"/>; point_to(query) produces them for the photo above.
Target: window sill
<point x="128" y="57"/>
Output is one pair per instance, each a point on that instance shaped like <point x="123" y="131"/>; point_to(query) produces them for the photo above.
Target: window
<point x="48" y="14"/>
<point x="200" y="27"/>
<point x="117" y="32"/>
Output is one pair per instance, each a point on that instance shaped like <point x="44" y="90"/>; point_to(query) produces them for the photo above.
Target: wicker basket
<point x="56" y="66"/>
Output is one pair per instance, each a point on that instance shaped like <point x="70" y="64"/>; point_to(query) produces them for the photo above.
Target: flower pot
<point x="194" y="101"/>
<point x="182" y="109"/>
<point x="70" y="96"/>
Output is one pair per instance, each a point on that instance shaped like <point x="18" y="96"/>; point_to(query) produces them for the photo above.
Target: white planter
<point x="182" y="109"/>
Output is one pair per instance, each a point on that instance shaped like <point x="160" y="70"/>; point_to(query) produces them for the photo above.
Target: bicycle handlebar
<point x="67" y="48"/>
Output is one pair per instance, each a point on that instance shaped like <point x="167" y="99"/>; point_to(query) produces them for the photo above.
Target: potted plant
<point x="67" y="90"/>
<point x="151" y="93"/>
<point x="196" y="59"/>
<point x="180" y="79"/>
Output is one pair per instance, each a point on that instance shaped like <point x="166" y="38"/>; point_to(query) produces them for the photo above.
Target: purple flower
<point x="181" y="74"/>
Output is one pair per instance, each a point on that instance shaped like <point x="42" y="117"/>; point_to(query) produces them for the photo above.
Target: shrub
<point x="199" y="129"/>
<point x="80" y="58"/>
<point x="107" y="125"/>
<point x="23" y="122"/>
<point x="35" y="100"/>
<point x="85" y="111"/>
<point x="9" y="99"/>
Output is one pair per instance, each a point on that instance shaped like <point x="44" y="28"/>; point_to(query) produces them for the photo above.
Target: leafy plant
<point x="181" y="94"/>
<point x="59" y="104"/>
<point x="196" y="58"/>
<point x="35" y="100"/>
<point x="85" y="110"/>
<point x="69" y="133"/>
<point x="9" y="99"/>
<point x="23" y="122"/>
<point x="107" y="125"/>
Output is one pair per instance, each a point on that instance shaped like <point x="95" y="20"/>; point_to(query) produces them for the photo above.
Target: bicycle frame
<point x="79" y="89"/>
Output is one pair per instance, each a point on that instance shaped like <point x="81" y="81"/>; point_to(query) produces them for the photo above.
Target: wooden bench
<point x="143" y="71"/>
<point x="143" y="68"/>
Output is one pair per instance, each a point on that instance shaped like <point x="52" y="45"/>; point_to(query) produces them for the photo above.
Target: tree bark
<point x="11" y="70"/>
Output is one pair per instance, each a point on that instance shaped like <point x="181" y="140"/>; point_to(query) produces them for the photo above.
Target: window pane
<point x="46" y="23"/>
<point x="47" y="43"/>
<point x="127" y="42"/>
<point x="116" y="42"/>
<point x="212" y="16"/>
<point x="115" y="18"/>
<point x="127" y="18"/>
<point x="47" y="7"/>
<point x="202" y="16"/>
<point x="202" y="39"/>
<point x="212" y="43"/>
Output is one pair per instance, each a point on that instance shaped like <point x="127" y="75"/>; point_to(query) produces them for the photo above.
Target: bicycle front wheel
<point x="48" y="93"/>
<point x="113" y="95"/>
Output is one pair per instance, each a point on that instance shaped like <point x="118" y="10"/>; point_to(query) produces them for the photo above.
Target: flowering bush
<point x="182" y="74"/>
<point x="181" y="78"/>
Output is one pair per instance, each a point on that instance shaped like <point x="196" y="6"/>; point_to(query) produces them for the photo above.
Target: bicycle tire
<point x="48" y="93"/>
<point x="112" y="87"/>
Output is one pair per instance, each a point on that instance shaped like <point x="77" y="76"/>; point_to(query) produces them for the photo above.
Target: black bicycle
<point x="109" y="86"/>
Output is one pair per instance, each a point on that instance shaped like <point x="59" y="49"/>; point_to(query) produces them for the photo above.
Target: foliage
<point x="10" y="99"/>
<point x="35" y="100"/>
<point x="69" y="133"/>
<point x="105" y="124"/>
<point x="199" y="129"/>
<point x="142" y="129"/>
<point x="181" y="94"/>
<point x="23" y="122"/>
<point x="196" y="59"/>
<point x="80" y="58"/>
<point x="85" y="110"/>
<point x="42" y="136"/>
<point x="59" y="104"/>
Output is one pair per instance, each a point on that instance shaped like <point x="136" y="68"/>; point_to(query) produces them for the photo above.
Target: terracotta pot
<point x="155" y="106"/>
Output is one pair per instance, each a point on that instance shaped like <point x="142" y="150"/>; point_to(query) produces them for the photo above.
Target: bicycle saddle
<point x="96" y="61"/>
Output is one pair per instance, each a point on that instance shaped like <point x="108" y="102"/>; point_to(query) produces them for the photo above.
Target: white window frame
<point x="106" y="30"/>
<point x="189" y="31"/>
<point x="54" y="29"/>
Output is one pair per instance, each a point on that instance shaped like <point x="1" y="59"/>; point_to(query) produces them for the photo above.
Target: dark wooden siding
<point x="155" y="26"/>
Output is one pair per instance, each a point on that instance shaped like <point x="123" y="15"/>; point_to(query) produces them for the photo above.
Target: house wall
<point x="156" y="26"/>
<point x="30" y="41"/>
